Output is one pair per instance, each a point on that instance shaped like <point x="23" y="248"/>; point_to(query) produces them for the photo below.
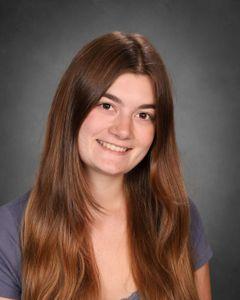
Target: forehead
<point x="136" y="87"/>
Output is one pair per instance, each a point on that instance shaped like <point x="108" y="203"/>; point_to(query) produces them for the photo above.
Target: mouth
<point x="113" y="147"/>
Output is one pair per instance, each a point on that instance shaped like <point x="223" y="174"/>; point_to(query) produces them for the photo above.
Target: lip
<point x="128" y="148"/>
<point x="112" y="151"/>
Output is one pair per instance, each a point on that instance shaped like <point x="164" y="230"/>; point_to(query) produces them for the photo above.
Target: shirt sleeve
<point x="200" y="247"/>
<point x="10" y="286"/>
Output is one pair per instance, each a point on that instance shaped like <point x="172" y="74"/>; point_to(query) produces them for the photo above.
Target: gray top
<point x="10" y="218"/>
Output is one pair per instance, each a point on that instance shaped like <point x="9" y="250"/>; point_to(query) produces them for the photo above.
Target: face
<point x="118" y="132"/>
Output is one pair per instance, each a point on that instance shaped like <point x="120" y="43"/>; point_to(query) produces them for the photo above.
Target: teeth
<point x="113" y="147"/>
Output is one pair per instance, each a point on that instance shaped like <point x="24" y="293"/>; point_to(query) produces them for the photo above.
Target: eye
<point x="105" y="105"/>
<point x="146" y="116"/>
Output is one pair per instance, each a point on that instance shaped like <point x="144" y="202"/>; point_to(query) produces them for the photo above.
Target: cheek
<point x="86" y="130"/>
<point x="89" y="126"/>
<point x="146" y="136"/>
<point x="89" y="129"/>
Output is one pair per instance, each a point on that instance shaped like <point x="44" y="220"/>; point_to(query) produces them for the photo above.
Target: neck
<point x="108" y="192"/>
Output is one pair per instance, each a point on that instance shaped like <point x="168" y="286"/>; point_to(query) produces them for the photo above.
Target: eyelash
<point x="151" y="117"/>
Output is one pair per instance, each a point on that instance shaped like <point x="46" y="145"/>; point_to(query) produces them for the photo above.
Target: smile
<point x="113" y="147"/>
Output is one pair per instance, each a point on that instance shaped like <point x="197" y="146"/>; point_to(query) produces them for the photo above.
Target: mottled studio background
<point x="199" y="41"/>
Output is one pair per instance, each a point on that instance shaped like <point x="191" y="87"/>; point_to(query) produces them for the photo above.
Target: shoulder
<point x="10" y="220"/>
<point x="200" y="246"/>
<point x="195" y="218"/>
<point x="13" y="210"/>
<point x="196" y="224"/>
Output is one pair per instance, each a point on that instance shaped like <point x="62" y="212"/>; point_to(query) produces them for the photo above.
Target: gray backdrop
<point x="199" y="41"/>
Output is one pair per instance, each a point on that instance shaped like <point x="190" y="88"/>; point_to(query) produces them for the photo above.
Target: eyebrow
<point x="118" y="100"/>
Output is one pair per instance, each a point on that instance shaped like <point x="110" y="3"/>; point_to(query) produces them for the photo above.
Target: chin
<point x="114" y="173"/>
<point x="111" y="172"/>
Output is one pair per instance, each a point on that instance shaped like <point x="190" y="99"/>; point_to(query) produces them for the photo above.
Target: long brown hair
<point x="57" y="255"/>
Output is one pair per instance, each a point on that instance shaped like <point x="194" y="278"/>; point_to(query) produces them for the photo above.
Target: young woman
<point x="108" y="216"/>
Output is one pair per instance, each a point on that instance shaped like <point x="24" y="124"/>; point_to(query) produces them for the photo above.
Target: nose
<point x="121" y="127"/>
